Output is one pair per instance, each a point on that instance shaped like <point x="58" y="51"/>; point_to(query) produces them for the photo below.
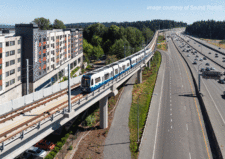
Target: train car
<point x="108" y="74"/>
<point x="133" y="61"/>
<point x="124" y="66"/>
<point x="116" y="72"/>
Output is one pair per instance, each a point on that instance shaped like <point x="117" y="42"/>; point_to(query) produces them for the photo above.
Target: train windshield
<point x="85" y="82"/>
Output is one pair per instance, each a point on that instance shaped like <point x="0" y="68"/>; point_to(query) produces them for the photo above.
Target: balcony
<point x="39" y="52"/>
<point x="0" y="71"/>
<point x="44" y="58"/>
<point x="39" y="60"/>
<point x="44" y="51"/>
<point x="39" y="68"/>
<point x="44" y="67"/>
<point x="39" y="44"/>
<point x="0" y="60"/>
<point x="0" y="50"/>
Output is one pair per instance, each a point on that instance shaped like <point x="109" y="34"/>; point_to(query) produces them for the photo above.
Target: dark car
<point x="221" y="81"/>
<point x="207" y="64"/>
<point x="204" y="58"/>
<point x="202" y="70"/>
<point x="194" y="62"/>
<point x="207" y="69"/>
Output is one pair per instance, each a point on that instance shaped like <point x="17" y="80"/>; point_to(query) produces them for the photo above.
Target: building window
<point x="39" y="73"/>
<point x="7" y="64"/>
<point x="19" y="78"/>
<point x="44" y="47"/>
<point x="44" y="55"/>
<point x="12" y="71"/>
<point x="0" y="77"/>
<point x="12" y="52"/>
<point x="78" y="60"/>
<point x="39" y="40"/>
<point x="39" y="56"/>
<point x="0" y="55"/>
<point x="12" y="43"/>
<point x="12" y="62"/>
<point x="0" y="45"/>
<point x="0" y="87"/>
<point x="40" y="48"/>
<point x="19" y="51"/>
<point x="19" y="41"/>
<point x="7" y="84"/>
<point x="18" y="59"/>
<point x="44" y="39"/>
<point x="7" y="74"/>
<point x="47" y="68"/>
<point x="19" y="69"/>
<point x="7" y="43"/>
<point x="12" y="81"/>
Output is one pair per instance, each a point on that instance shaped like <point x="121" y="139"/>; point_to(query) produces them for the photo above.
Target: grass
<point x="218" y="43"/>
<point x="141" y="95"/>
<point x="162" y="41"/>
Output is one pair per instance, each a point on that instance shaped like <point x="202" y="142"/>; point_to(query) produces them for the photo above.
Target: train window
<point x="97" y="80"/>
<point x="116" y="71"/>
<point x="111" y="73"/>
<point x="106" y="76"/>
<point x="92" y="82"/>
<point x="102" y="78"/>
<point x="128" y="64"/>
<point x="123" y="67"/>
<point x="133" y="61"/>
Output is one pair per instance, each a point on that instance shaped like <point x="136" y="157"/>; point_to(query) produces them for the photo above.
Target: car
<point x="209" y="52"/>
<point x="207" y="64"/>
<point x="195" y="51"/>
<point x="223" y="57"/>
<point x="216" y="56"/>
<point x="224" y="73"/>
<point x="194" y="62"/>
<point x="223" y="60"/>
<point x="196" y="59"/>
<point x="222" y="81"/>
<point x="207" y="69"/>
<point x="204" y="58"/>
<point x="35" y="151"/>
<point x="219" y="48"/>
<point x="200" y="59"/>
<point x="212" y="68"/>
<point x="188" y="55"/>
<point x="202" y="70"/>
<point x="196" y="56"/>
<point x="44" y="144"/>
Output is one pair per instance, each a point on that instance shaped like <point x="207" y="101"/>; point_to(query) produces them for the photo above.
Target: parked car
<point x="35" y="151"/>
<point x="202" y="70"/>
<point x="200" y="59"/>
<point x="196" y="56"/>
<point x="188" y="55"/>
<point x="221" y="81"/>
<point x="209" y="52"/>
<point x="44" y="144"/>
<point x="216" y="56"/>
<point x="207" y="64"/>
<point x="204" y="58"/>
<point x="223" y="60"/>
<point x="194" y="62"/>
<point x="223" y="57"/>
<point x="207" y="69"/>
<point x="212" y="68"/>
<point x="219" y="48"/>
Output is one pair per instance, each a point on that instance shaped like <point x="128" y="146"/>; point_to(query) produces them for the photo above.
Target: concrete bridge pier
<point x="149" y="64"/>
<point x="103" y="103"/>
<point x="139" y="75"/>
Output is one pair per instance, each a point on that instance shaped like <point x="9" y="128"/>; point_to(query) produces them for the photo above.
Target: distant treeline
<point x="153" y="24"/>
<point x="207" y="29"/>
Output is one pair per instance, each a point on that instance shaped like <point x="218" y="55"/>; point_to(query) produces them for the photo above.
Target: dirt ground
<point x="92" y="145"/>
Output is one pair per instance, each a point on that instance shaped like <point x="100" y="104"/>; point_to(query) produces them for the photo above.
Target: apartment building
<point x="49" y="52"/>
<point x="10" y="67"/>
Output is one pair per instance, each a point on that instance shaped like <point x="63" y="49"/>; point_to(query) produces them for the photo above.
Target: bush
<point x="90" y="120"/>
<point x="67" y="135"/>
<point x="70" y="148"/>
<point x="52" y="153"/>
<point x="88" y="67"/>
<point x="56" y="149"/>
<point x="49" y="156"/>
<point x="63" y="140"/>
<point x="59" y="145"/>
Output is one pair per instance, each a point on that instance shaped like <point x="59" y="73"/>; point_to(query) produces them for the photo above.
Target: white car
<point x="35" y="151"/>
<point x="188" y="55"/>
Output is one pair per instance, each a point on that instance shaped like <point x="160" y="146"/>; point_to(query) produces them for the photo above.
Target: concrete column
<point x="149" y="64"/>
<point x="103" y="103"/>
<point x="139" y="75"/>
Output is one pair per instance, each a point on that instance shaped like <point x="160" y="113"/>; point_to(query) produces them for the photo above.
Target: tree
<point x="43" y="24"/>
<point x="96" y="40"/>
<point x="118" y="48"/>
<point x="58" y="24"/>
<point x="147" y="33"/>
<point x="110" y="59"/>
<point x="98" y="51"/>
<point x="87" y="48"/>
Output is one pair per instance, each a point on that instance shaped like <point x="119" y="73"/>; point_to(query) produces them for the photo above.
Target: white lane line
<point x="170" y="109"/>
<point x="171" y="120"/>
<point x="171" y="126"/>
<point x="182" y="86"/>
<point x="170" y="100"/>
<point x="187" y="126"/>
<point x="156" y="133"/>
<point x="170" y="96"/>
<point x="171" y="114"/>
<point x="189" y="155"/>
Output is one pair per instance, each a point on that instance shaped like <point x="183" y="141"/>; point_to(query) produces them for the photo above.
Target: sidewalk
<point x="118" y="139"/>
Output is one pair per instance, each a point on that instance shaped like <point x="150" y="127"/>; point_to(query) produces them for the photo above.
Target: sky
<point x="73" y="11"/>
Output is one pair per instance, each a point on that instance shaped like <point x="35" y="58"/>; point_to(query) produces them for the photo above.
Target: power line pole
<point x="27" y="76"/>
<point x="69" y="90"/>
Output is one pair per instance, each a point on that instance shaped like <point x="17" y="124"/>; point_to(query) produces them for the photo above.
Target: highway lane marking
<point x="156" y="133"/>
<point x="171" y="126"/>
<point x="171" y="114"/>
<point x="171" y="120"/>
<point x="196" y="107"/>
<point x="170" y="100"/>
<point x="187" y="126"/>
<point x="189" y="155"/>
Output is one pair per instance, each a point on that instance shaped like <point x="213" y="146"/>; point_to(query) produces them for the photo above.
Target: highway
<point x="178" y="130"/>
<point x="212" y="92"/>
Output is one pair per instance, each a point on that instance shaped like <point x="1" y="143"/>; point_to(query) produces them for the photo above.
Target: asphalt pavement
<point x="118" y="140"/>
<point x="179" y="130"/>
